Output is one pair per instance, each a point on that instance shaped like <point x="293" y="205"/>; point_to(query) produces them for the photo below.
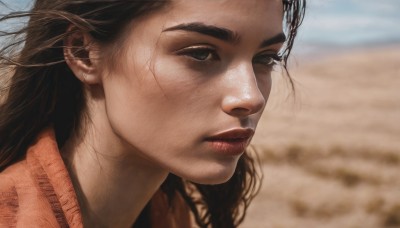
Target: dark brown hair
<point x="43" y="92"/>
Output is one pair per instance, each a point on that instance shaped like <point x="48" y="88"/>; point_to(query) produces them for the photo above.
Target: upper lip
<point x="235" y="134"/>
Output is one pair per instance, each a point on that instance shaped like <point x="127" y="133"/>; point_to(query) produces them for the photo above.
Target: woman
<point x="122" y="113"/>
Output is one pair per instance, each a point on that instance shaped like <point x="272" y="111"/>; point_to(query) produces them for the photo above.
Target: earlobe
<point x="81" y="55"/>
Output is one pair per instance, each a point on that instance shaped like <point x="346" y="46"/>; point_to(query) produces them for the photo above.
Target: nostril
<point x="240" y="108"/>
<point x="240" y="112"/>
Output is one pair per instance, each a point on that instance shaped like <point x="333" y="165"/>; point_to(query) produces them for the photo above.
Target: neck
<point x="112" y="181"/>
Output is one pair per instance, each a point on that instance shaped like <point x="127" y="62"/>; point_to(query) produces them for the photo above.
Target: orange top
<point x="38" y="192"/>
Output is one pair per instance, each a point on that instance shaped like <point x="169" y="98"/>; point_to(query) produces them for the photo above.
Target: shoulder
<point x="9" y="200"/>
<point x="10" y="176"/>
<point x="14" y="180"/>
<point x="7" y="189"/>
<point x="14" y="175"/>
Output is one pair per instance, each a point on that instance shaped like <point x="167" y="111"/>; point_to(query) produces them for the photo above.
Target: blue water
<point x="333" y="22"/>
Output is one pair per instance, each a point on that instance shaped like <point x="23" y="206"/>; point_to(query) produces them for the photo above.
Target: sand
<point x="331" y="155"/>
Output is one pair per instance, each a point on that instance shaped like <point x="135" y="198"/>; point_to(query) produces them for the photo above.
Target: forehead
<point x="244" y="5"/>
<point x="239" y="15"/>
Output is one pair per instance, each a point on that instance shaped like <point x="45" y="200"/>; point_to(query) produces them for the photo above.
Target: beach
<point x="331" y="153"/>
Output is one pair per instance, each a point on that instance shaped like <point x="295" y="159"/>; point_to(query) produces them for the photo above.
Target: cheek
<point x="264" y="83"/>
<point x="157" y="102"/>
<point x="192" y="90"/>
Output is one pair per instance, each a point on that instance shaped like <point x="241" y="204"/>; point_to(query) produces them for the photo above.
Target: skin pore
<point x="182" y="77"/>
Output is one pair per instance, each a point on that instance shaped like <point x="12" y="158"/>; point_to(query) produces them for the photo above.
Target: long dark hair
<point x="43" y="91"/>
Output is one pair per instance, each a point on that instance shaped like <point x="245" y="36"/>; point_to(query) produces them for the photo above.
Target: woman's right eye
<point x="199" y="53"/>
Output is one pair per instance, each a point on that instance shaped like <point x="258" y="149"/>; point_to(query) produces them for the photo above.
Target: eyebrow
<point x="209" y="30"/>
<point x="222" y="33"/>
<point x="279" y="38"/>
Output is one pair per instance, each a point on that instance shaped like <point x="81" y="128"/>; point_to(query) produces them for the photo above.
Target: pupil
<point x="201" y="55"/>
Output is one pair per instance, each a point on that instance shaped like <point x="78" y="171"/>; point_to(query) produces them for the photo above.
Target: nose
<point x="243" y="96"/>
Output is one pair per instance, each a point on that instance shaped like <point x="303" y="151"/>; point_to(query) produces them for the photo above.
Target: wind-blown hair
<point x="43" y="92"/>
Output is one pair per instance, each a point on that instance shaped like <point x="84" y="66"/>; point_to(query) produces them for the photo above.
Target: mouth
<point x="232" y="142"/>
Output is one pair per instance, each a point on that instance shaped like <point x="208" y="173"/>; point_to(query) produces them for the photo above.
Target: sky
<point x="335" y="23"/>
<point x="351" y="22"/>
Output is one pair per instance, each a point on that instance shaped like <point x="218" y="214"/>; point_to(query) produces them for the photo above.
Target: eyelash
<point x="272" y="59"/>
<point x="211" y="55"/>
<point x="191" y="52"/>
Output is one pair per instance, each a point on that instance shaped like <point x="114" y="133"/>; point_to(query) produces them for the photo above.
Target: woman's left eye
<point x="267" y="59"/>
<point x="199" y="53"/>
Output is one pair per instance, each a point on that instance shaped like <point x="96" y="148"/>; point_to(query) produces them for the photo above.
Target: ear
<point x="82" y="56"/>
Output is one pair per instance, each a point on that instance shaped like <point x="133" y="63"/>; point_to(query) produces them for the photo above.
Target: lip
<point x="231" y="142"/>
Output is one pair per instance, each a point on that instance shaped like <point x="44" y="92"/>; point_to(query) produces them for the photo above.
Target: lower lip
<point x="229" y="147"/>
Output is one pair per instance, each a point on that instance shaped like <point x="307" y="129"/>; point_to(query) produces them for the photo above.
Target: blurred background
<point x="330" y="151"/>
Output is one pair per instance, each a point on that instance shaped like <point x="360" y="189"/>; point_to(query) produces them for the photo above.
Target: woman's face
<point x="192" y="82"/>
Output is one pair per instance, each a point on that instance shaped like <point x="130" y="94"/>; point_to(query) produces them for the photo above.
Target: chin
<point x="212" y="176"/>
